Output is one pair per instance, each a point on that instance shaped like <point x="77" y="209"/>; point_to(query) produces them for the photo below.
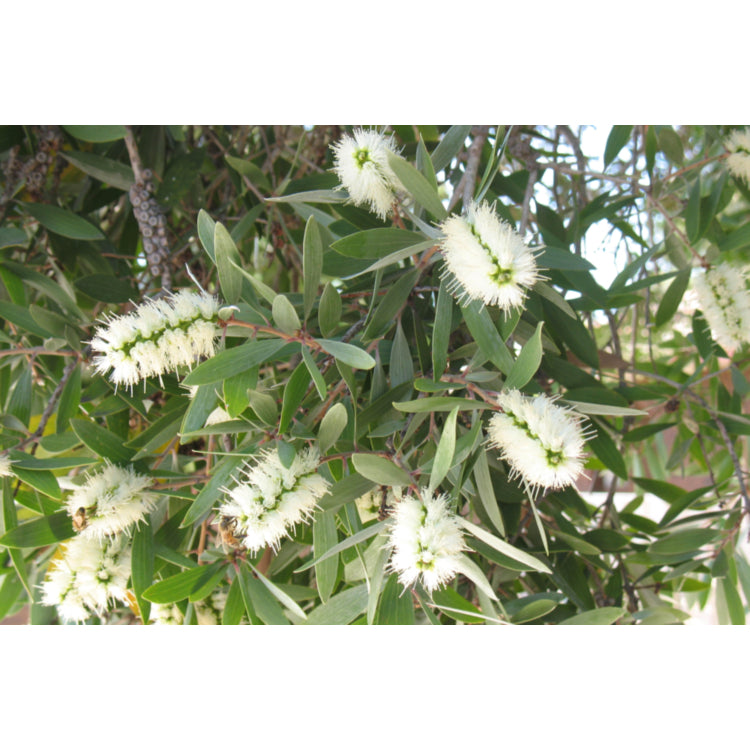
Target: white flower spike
<point x="738" y="145"/>
<point x="90" y="575"/>
<point x="273" y="498"/>
<point x="426" y="540"/>
<point x="159" y="336"/>
<point x="542" y="442"/>
<point x="110" y="501"/>
<point x="361" y="163"/>
<point x="166" y="614"/>
<point x="6" y="467"/>
<point x="486" y="259"/>
<point x="724" y="300"/>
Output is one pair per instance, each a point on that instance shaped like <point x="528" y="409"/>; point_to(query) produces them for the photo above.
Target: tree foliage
<point x="343" y="335"/>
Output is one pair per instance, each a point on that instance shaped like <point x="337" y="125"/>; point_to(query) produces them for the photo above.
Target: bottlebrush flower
<point x="361" y="163"/>
<point x="210" y="610"/>
<point x="738" y="144"/>
<point x="426" y="540"/>
<point x="486" y="259"/>
<point x="166" y="614"/>
<point x="6" y="469"/>
<point x="272" y="499"/>
<point x="90" y="575"/>
<point x="159" y="336"/>
<point x="724" y="300"/>
<point x="542" y="442"/>
<point x="110" y="502"/>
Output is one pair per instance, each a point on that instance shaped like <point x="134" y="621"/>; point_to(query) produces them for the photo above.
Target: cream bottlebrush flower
<point x="209" y="610"/>
<point x="166" y="614"/>
<point x="272" y="498"/>
<point x="6" y="467"/>
<point x="542" y="442"/>
<point x="159" y="336"/>
<point x="724" y="300"/>
<point x="110" y="501"/>
<point x="90" y="575"/>
<point x="426" y="540"/>
<point x="738" y="145"/>
<point x="486" y="259"/>
<point x="361" y="163"/>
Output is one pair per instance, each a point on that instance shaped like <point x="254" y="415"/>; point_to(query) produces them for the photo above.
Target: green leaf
<point x="54" y="290"/>
<point x="734" y="607"/>
<point x="585" y="407"/>
<point x="102" y="442"/>
<point x="454" y="605"/>
<point x="533" y="610"/>
<point x="63" y="222"/>
<point x="486" y="491"/>
<point x="142" y="565"/>
<point x="672" y="297"/>
<point x="439" y="403"/>
<point x="12" y="237"/>
<point x="234" y="608"/>
<point x="380" y="470"/>
<point x="344" y="491"/>
<point x="106" y="288"/>
<point x="485" y="334"/>
<point x="347" y="353"/>
<point x="280" y="595"/>
<point x="96" y="133"/>
<point x="201" y="405"/>
<point x="312" y="264"/>
<point x="324" y="538"/>
<point x="342" y="608"/>
<point x="401" y="368"/>
<point x="559" y="259"/>
<point x="445" y="450"/>
<point x="390" y="306"/>
<point x="227" y="256"/>
<point x="317" y="378"/>
<point x="680" y="542"/>
<point x="212" y="489"/>
<point x="417" y="185"/>
<point x="441" y="331"/>
<point x="376" y="243"/>
<point x="670" y="144"/>
<point x="503" y="547"/>
<point x="238" y="359"/>
<point x="329" y="310"/>
<point x="601" y="616"/>
<point x="449" y="146"/>
<point x="180" y="586"/>
<point x="331" y="426"/>
<point x="206" y="228"/>
<point x="693" y="211"/>
<point x="606" y="451"/>
<point x="354" y="539"/>
<point x="250" y="170"/>
<point x="618" y="137"/>
<point x="106" y="170"/>
<point x="44" y="481"/>
<point x="41" y="532"/>
<point x="284" y="315"/>
<point x="529" y="359"/>
<point x="394" y="609"/>
<point x="294" y="393"/>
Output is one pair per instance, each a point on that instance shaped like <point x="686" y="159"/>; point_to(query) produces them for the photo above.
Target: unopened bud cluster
<point x="152" y="224"/>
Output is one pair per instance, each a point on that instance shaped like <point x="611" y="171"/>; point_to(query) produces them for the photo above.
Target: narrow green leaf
<point x="449" y="146"/>
<point x="344" y="491"/>
<point x="417" y="185"/>
<point x="486" y="491"/>
<point x="342" y="608"/>
<point x="354" y="539"/>
<point x="529" y="359"/>
<point x="96" y="133"/>
<point x="504" y="547"/>
<point x="329" y="310"/>
<point x="227" y="256"/>
<point x="331" y="426"/>
<point x="376" y="243"/>
<point x="280" y="595"/>
<point x="234" y="608"/>
<point x="693" y="211"/>
<point x="212" y="489"/>
<point x="347" y="353"/>
<point x="439" y="403"/>
<point x="294" y="392"/>
<point x="284" y="315"/>
<point x="618" y="137"/>
<point x="63" y="222"/>
<point x="41" y="532"/>
<point x="142" y="565"/>
<point x="180" y="586"/>
<point x="606" y="451"/>
<point x="601" y="616"/>
<point x="206" y="229"/>
<point x="312" y="264"/>
<point x="102" y="168"/>
<point x="401" y="368"/>
<point x="445" y="450"/>
<point x="44" y="481"/>
<point x="238" y="359"/>
<point x="735" y="608"/>
<point x="672" y="298"/>
<point x="324" y="538"/>
<point x="487" y="337"/>
<point x="390" y="306"/>
<point x="395" y="606"/>
<point x="201" y="405"/>
<point x="680" y="542"/>
<point x="441" y="331"/>
<point x="380" y="470"/>
<point x="317" y="378"/>
<point x="101" y="441"/>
